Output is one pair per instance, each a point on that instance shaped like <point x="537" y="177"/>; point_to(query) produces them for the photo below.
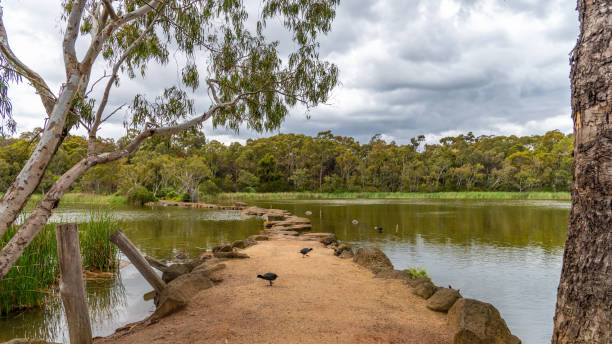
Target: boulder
<point x="321" y="236"/>
<point x="210" y="271"/>
<point x="344" y="247"/>
<point x="181" y="256"/>
<point x="240" y="204"/>
<point x="347" y="254"/>
<point x="300" y="227"/>
<point x="394" y="274"/>
<point x="273" y="217"/>
<point x="259" y="237"/>
<point x="473" y="321"/>
<point x="414" y="282"/>
<point x="178" y="292"/>
<point x="222" y="248"/>
<point x="443" y="299"/>
<point x="240" y="244"/>
<point x="230" y="255"/>
<point x="425" y="289"/>
<point x="372" y="258"/>
<point x="174" y="271"/>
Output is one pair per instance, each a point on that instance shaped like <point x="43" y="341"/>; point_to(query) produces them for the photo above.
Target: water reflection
<point x="504" y="252"/>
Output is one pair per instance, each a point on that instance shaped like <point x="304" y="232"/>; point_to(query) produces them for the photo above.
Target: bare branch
<point x="96" y="82"/>
<point x="112" y="113"/>
<point x="72" y="32"/>
<point x="46" y="96"/>
<point x="110" y="9"/>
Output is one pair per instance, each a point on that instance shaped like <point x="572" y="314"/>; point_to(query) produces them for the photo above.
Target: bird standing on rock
<point x="327" y="242"/>
<point x="268" y="276"/>
<point x="305" y="251"/>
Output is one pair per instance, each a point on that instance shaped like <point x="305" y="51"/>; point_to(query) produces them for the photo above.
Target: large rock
<point x="476" y="322"/>
<point x="222" y="248"/>
<point x="177" y="293"/>
<point x="443" y="299"/>
<point x="425" y="289"/>
<point x="273" y="217"/>
<point x="414" y="282"/>
<point x="156" y="263"/>
<point x="372" y="258"/>
<point x="394" y="274"/>
<point x="240" y="244"/>
<point x="174" y="271"/>
<point x="347" y="254"/>
<point x="230" y="255"/>
<point x="259" y="237"/>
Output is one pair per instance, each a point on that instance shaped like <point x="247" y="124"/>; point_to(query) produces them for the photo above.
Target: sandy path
<point x="318" y="299"/>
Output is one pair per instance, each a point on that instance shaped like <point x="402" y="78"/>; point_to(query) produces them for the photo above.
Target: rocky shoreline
<point x="471" y="321"/>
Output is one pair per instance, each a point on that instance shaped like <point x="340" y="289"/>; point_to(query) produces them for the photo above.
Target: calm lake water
<point x="507" y="253"/>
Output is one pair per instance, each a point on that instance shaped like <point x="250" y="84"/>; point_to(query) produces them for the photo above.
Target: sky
<point x="407" y="67"/>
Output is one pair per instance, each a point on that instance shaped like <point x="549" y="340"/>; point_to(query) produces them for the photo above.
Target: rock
<point x="394" y="274"/>
<point x="222" y="248"/>
<point x="414" y="282"/>
<point x="308" y="213"/>
<point x="344" y="247"/>
<point x="474" y="321"/>
<point x="425" y="289"/>
<point x="372" y="258"/>
<point x="347" y="254"/>
<point x="174" y="271"/>
<point x="177" y="293"/>
<point x="210" y="271"/>
<point x="240" y="244"/>
<point x="181" y="256"/>
<point x="273" y="217"/>
<point x="300" y="227"/>
<point x="259" y="237"/>
<point x="240" y="204"/>
<point x="443" y="299"/>
<point x="156" y="263"/>
<point x="321" y="236"/>
<point x="230" y="255"/>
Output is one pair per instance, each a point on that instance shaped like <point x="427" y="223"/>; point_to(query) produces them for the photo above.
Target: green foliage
<point x="139" y="195"/>
<point x="97" y="252"/>
<point x="417" y="272"/>
<point x="36" y="271"/>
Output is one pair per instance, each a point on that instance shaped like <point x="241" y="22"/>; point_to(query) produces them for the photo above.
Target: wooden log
<point x="156" y="264"/>
<point x="126" y="246"/>
<point x="72" y="288"/>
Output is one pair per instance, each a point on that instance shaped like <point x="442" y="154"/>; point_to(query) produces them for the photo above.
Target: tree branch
<point x="110" y="9"/>
<point x="46" y="96"/>
<point x="72" y="32"/>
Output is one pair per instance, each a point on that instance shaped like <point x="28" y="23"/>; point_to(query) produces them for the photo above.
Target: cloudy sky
<point x="407" y="67"/>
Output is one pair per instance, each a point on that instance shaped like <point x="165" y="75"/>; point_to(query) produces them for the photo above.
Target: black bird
<point x="338" y="252"/>
<point x="379" y="229"/>
<point x="327" y="242"/>
<point x="305" y="251"/>
<point x="268" y="276"/>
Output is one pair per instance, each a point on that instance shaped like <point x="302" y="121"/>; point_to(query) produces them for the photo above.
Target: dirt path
<point x="317" y="299"/>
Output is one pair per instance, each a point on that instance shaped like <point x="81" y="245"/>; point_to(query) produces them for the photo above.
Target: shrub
<point x="139" y="195"/>
<point x="417" y="272"/>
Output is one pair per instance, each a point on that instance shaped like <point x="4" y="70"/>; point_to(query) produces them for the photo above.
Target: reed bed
<point x="229" y="197"/>
<point x="37" y="272"/>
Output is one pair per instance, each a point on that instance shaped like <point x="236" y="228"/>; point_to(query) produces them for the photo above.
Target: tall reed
<point x="36" y="271"/>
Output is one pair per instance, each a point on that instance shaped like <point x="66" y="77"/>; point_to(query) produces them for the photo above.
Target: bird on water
<point x="268" y="276"/>
<point x="379" y="229"/>
<point x="305" y="251"/>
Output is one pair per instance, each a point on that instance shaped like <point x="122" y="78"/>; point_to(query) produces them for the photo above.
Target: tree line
<point x="186" y="166"/>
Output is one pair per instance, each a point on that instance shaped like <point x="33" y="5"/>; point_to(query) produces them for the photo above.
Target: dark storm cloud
<point x="407" y="68"/>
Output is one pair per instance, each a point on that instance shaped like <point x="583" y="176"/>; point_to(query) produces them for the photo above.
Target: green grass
<point x="85" y="198"/>
<point x="239" y="196"/>
<point x="36" y="271"/>
<point x="417" y="272"/>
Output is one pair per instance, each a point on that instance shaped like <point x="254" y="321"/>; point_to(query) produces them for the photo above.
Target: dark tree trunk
<point x="584" y="301"/>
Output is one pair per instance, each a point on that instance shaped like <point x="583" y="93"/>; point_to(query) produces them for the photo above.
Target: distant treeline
<point x="186" y="166"/>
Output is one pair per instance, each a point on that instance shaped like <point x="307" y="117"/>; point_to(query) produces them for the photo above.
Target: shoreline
<point x="317" y="299"/>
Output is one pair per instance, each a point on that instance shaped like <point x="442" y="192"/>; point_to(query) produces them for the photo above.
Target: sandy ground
<point x="317" y="299"/>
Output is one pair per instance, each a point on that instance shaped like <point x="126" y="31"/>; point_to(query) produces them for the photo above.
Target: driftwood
<point x="72" y="288"/>
<point x="126" y="246"/>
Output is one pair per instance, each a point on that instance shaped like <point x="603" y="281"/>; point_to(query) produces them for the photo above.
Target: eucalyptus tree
<point x="226" y="56"/>
<point x="584" y="298"/>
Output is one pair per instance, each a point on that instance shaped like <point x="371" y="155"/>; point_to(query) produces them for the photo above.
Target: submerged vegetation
<point x="189" y="168"/>
<point x="36" y="272"/>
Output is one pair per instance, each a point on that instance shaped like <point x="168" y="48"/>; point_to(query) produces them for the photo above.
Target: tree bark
<point x="72" y="288"/>
<point x="584" y="299"/>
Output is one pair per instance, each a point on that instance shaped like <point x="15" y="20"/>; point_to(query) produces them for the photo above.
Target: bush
<point x="139" y="195"/>
<point x="209" y="188"/>
<point x="417" y="272"/>
<point x="167" y="193"/>
<point x="185" y="197"/>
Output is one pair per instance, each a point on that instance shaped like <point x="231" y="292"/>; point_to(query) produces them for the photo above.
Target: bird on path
<point x="305" y="251"/>
<point x="338" y="252"/>
<point x="379" y="229"/>
<point x="268" y="276"/>
<point x="327" y="242"/>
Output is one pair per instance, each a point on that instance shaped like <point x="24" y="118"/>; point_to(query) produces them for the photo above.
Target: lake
<point x="508" y="253"/>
